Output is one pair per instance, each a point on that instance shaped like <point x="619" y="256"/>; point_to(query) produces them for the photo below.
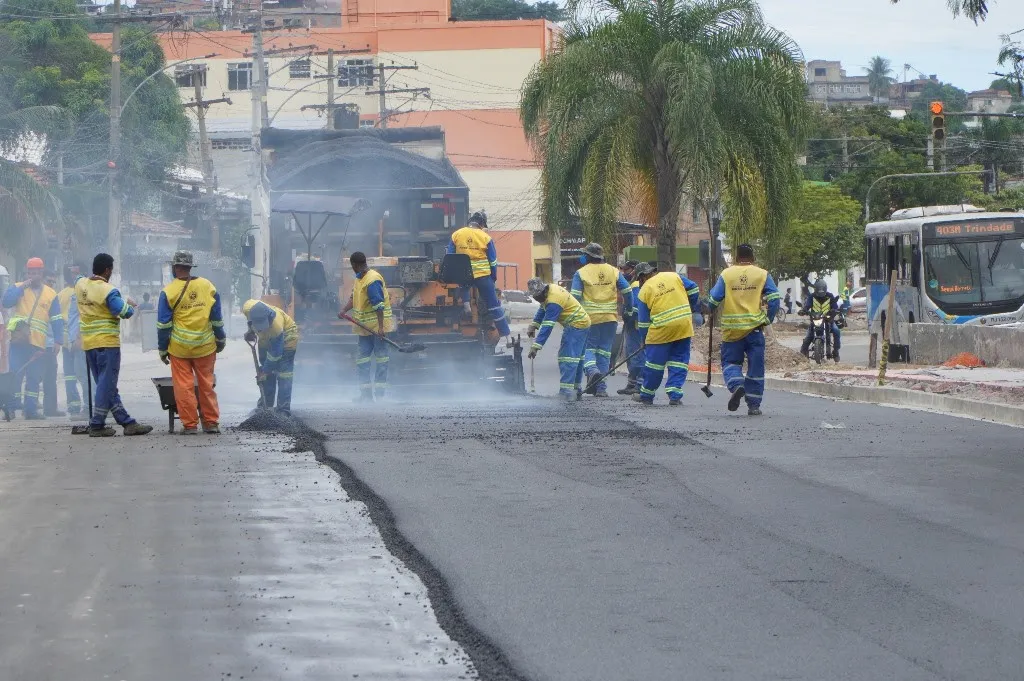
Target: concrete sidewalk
<point x="167" y="558"/>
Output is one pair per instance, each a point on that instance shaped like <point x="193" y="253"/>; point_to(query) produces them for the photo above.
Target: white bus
<point x="954" y="265"/>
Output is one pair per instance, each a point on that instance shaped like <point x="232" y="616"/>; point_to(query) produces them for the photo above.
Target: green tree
<point x="879" y="73"/>
<point x="493" y="10"/>
<point x="975" y="10"/>
<point x="824" y="236"/>
<point x="953" y="97"/>
<point x="689" y="99"/>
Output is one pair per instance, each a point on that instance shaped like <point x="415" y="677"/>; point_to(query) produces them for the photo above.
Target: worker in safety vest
<point x="597" y="285"/>
<point x="557" y="305"/>
<point x="72" y="355"/>
<point x="473" y="241"/>
<point x="100" y="311"/>
<point x="631" y="340"/>
<point x="190" y="334"/>
<point x="668" y="309"/>
<point x="278" y="338"/>
<point x="738" y="292"/>
<point x="370" y="305"/>
<point x="35" y="314"/>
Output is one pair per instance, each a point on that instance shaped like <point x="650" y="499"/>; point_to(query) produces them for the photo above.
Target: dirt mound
<point x="777" y="356"/>
<point x="268" y="421"/>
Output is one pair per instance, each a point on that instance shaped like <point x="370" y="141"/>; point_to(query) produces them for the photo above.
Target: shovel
<point x="706" y="388"/>
<point x="592" y="383"/>
<point x="411" y="347"/>
<point x="259" y="383"/>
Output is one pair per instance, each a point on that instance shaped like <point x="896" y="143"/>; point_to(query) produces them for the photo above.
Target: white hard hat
<point x="4" y="272"/>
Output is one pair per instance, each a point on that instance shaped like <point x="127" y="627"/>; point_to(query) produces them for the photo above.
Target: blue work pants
<point x="33" y="370"/>
<point x="675" y="356"/>
<point x="751" y="348"/>
<point x="373" y="348"/>
<point x="279" y="383"/>
<point x="632" y="342"/>
<point x="598" y="357"/>
<point x="570" y="360"/>
<point x="75" y="369"/>
<point x="105" y="366"/>
<point x="488" y="296"/>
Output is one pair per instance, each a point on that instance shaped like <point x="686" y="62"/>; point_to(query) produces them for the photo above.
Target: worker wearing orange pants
<point x="190" y="374"/>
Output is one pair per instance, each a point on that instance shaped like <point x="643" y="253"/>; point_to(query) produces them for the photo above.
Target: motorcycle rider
<point x="827" y="305"/>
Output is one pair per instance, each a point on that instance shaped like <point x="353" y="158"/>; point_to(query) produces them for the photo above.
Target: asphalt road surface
<point x="603" y="541"/>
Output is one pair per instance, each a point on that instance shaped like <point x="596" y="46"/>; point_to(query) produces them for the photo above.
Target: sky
<point x="922" y="33"/>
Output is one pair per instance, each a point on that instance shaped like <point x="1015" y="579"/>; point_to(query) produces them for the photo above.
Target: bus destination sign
<point x="972" y="228"/>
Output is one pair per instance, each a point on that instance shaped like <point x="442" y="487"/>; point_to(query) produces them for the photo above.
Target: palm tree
<point x="879" y="74"/>
<point x="675" y="100"/>
<point x="975" y="10"/>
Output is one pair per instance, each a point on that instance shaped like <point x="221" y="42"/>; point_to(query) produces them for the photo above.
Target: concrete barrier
<point x="935" y="343"/>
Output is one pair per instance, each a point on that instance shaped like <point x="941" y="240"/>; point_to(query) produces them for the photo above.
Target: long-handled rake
<point x="410" y="347"/>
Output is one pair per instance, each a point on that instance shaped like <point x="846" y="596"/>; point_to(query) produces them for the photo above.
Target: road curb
<point x="957" y="406"/>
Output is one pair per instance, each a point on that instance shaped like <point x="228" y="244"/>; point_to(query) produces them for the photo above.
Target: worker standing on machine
<point x="595" y="285"/>
<point x="473" y="241"/>
<point x="370" y="305"/>
<point x="558" y="306"/>
<point x="278" y="336"/>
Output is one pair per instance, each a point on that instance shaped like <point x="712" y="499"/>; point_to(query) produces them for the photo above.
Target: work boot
<point x="600" y="393"/>
<point x="579" y="395"/>
<point x="136" y="429"/>
<point x="364" y="396"/>
<point x="284" y="411"/>
<point x="737" y="397"/>
<point x="212" y="429"/>
<point x="753" y="411"/>
<point x="630" y="389"/>
<point x="55" y="414"/>
<point x="190" y="431"/>
<point x="568" y="397"/>
<point x="35" y="416"/>
<point x="675" y="402"/>
<point x="105" y="431"/>
<point x="835" y="356"/>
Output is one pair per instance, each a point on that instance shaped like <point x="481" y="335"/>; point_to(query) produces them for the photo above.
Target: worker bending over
<point x="630" y="333"/>
<point x="738" y="292"/>
<point x="370" y="305"/>
<point x="190" y="333"/>
<point x="596" y="285"/>
<point x="669" y="305"/>
<point x="473" y="241"/>
<point x="100" y="311"/>
<point x="35" y="317"/>
<point x="558" y="306"/>
<point x="278" y="336"/>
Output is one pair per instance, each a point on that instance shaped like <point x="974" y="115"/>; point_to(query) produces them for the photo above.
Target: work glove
<point x="261" y="376"/>
<point x="250" y="336"/>
<point x="165" y="357"/>
<point x="531" y="331"/>
<point x="533" y="352"/>
<point x="698" y="319"/>
<point x="221" y="344"/>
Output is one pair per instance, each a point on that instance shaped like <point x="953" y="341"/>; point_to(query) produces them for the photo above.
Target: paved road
<point x="854" y="349"/>
<point x="602" y="541"/>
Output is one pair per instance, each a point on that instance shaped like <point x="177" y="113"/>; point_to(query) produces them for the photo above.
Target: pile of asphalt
<point x="268" y="421"/>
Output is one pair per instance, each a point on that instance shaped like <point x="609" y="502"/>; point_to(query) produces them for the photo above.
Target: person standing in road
<point x="370" y="305"/>
<point x="278" y="337"/>
<point x="100" y="311"/>
<point x="557" y="305"/>
<point x="473" y="241"/>
<point x="34" y="318"/>
<point x="630" y="333"/>
<point x="845" y="297"/>
<point x="72" y="356"/>
<point x="669" y="305"/>
<point x="738" y="292"/>
<point x="788" y="301"/>
<point x="595" y="285"/>
<point x="146" y="305"/>
<point x="190" y="334"/>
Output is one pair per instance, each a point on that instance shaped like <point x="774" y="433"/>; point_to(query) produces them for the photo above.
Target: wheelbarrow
<point x="165" y="389"/>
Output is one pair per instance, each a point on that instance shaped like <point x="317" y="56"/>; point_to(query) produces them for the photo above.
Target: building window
<point x="820" y="73"/>
<point x="240" y="76"/>
<point x="367" y="123"/>
<point x="355" y="73"/>
<point x="299" y="69"/>
<point x="183" y="74"/>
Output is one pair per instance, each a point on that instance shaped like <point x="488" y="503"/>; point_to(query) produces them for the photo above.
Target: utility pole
<point x="931" y="153"/>
<point x="846" y="153"/>
<point x="259" y="219"/>
<point x="206" y="153"/>
<point x="113" y="201"/>
<point x="331" y="79"/>
<point x="383" y="91"/>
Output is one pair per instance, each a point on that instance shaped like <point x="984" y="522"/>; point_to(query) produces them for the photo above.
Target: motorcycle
<point x="821" y="343"/>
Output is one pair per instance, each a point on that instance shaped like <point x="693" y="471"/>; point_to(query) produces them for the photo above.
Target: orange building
<point x="465" y="77"/>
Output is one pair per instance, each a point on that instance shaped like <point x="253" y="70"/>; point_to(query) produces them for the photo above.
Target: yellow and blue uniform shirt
<point x="97" y="313"/>
<point x="739" y="291"/>
<point x="559" y="307"/>
<point x="191" y="329"/>
<point x="46" y="317"/>
<point x="369" y="294"/>
<point x="595" y="285"/>
<point x="283" y="333"/>
<point x="666" y="304"/>
<point x="821" y="307"/>
<point x="479" y="246"/>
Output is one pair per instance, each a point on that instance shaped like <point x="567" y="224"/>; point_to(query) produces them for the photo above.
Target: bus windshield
<point x="970" y="272"/>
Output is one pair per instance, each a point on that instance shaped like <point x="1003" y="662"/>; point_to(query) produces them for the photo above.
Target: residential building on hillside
<point x="990" y="101"/>
<point x="827" y="83"/>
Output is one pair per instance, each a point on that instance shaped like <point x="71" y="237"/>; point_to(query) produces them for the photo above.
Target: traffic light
<point x="938" y="122"/>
